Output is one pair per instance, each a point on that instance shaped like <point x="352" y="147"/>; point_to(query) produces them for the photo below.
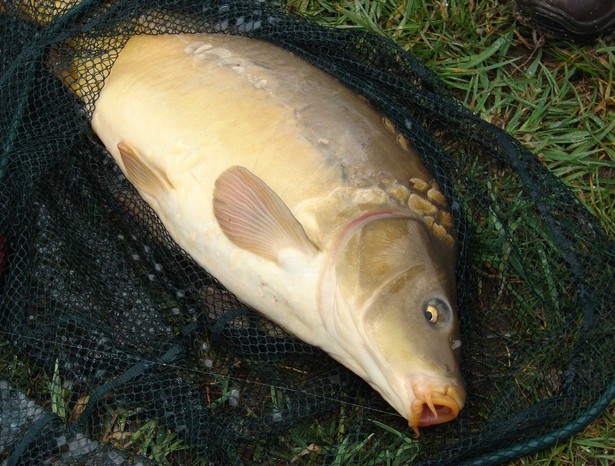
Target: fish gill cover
<point x="117" y="347"/>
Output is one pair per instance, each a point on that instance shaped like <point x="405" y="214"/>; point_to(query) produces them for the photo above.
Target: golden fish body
<point x="300" y="198"/>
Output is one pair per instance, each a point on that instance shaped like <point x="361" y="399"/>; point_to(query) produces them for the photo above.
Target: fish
<point x="298" y="195"/>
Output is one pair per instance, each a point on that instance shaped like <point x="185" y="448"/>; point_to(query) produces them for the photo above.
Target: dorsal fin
<point x="254" y="218"/>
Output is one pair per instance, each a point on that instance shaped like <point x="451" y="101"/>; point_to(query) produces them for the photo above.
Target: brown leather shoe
<point x="580" y="20"/>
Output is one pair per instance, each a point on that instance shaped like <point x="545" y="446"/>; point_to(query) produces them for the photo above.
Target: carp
<point x="299" y="197"/>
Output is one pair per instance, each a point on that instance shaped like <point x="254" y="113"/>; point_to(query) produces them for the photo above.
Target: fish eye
<point x="436" y="311"/>
<point x="431" y="313"/>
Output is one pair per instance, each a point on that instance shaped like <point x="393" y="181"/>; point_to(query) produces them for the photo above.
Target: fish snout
<point x="435" y="401"/>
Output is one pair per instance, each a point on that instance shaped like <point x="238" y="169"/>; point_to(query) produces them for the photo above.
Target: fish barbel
<point x="299" y="197"/>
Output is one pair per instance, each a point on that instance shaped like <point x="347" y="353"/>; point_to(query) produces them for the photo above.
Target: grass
<point x="556" y="97"/>
<point x="595" y="445"/>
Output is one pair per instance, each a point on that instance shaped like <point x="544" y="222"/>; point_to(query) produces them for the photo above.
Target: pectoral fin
<point x="253" y="217"/>
<point x="147" y="179"/>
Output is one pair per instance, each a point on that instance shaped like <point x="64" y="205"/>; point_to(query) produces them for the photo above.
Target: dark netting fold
<point x="116" y="347"/>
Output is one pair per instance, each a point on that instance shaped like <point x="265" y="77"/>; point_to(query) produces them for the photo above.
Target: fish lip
<point x="436" y="401"/>
<point x="446" y="408"/>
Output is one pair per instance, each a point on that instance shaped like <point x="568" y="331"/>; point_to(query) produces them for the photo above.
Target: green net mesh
<point x="115" y="347"/>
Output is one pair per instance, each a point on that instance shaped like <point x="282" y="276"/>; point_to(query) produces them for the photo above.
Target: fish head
<point x="412" y="332"/>
<point x="398" y="281"/>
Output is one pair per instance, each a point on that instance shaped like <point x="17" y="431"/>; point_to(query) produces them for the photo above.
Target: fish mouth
<point x="436" y="402"/>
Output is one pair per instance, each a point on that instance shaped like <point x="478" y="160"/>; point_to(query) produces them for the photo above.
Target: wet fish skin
<point x="300" y="198"/>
